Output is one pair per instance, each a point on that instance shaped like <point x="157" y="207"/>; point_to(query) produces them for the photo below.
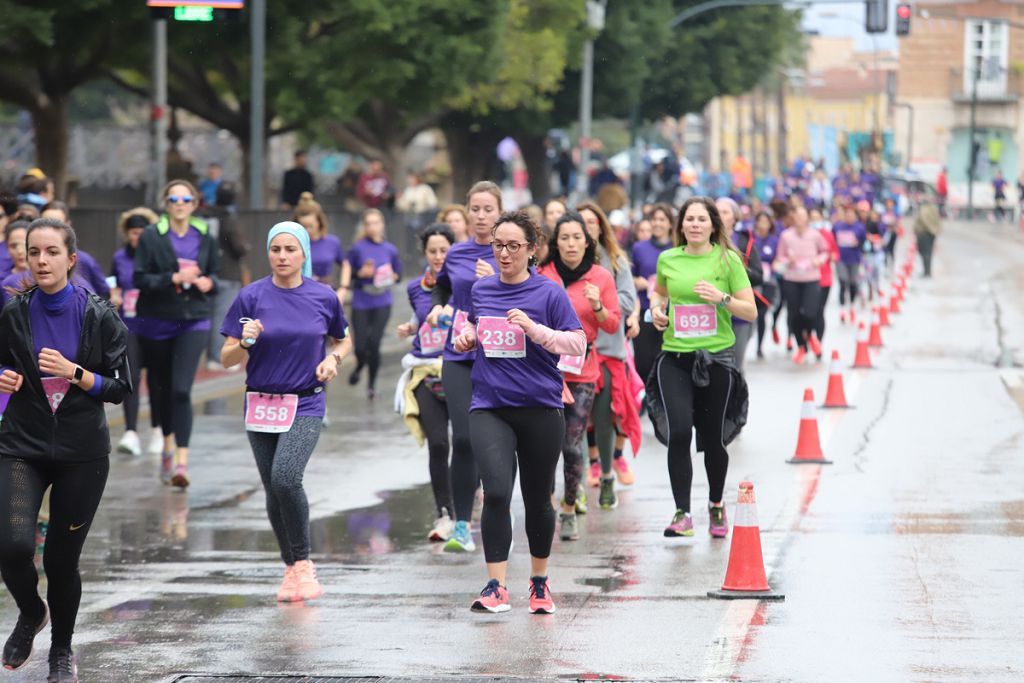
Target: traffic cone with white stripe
<point x="883" y="314"/>
<point x="808" y="443"/>
<point x="835" y="396"/>
<point x="875" y="335"/>
<point x="745" y="579"/>
<point x="894" y="300"/>
<point x="862" y="359"/>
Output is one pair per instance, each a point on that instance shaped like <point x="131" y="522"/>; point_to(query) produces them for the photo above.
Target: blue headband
<point x="299" y="233"/>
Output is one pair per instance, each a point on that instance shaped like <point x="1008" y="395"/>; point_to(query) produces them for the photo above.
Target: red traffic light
<point x="903" y="11"/>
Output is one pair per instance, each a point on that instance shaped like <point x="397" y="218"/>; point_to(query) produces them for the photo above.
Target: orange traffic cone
<point x="808" y="443"/>
<point x="894" y="302"/>
<point x="875" y="335"/>
<point x="883" y="314"/>
<point x="862" y="359"/>
<point x="745" y="578"/>
<point x="835" y="396"/>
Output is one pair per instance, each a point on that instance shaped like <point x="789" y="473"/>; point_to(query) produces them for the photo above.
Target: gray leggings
<point x="281" y="460"/>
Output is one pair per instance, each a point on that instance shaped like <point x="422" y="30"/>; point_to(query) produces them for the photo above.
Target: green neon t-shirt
<point x="694" y="324"/>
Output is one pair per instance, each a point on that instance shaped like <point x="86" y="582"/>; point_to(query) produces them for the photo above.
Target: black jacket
<point x="156" y="262"/>
<point x="751" y="259"/>
<point x="77" y="432"/>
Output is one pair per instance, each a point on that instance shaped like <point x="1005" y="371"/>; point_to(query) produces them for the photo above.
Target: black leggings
<point x="131" y="401"/>
<point x="688" y="406"/>
<point x="501" y="437"/>
<point x="458" y="391"/>
<point x="172" y="365"/>
<point x="576" y="417"/>
<point x="77" y="488"/>
<point x="434" y="421"/>
<point x="801" y="308"/>
<point x="368" y="327"/>
<point x="819" y="325"/>
<point x="646" y="348"/>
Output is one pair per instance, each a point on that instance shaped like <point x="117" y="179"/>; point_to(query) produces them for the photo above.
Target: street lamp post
<point x="158" y="112"/>
<point x="595" y="22"/>
<point x="258" y="31"/>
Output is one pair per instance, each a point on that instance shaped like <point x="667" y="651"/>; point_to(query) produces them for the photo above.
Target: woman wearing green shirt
<point x="701" y="284"/>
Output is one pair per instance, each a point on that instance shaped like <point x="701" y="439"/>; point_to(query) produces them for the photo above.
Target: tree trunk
<point x="471" y="152"/>
<point x="783" y="128"/>
<point x="50" y="124"/>
<point x="537" y="167"/>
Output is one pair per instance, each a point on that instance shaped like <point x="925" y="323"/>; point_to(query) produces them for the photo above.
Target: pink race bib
<point x="270" y="413"/>
<point x="431" y="339"/>
<point x="56" y="389"/>
<point x="498" y="339"/>
<point x="571" y="364"/>
<point x="694" y="320"/>
<point x="846" y="239"/>
<point x="459" y="322"/>
<point x="131" y="303"/>
<point x="383" y="276"/>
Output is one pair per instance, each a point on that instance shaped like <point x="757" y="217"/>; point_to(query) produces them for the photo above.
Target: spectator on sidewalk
<point x="416" y="201"/>
<point x="374" y="189"/>
<point x="999" y="194"/>
<point x="927" y="227"/>
<point x="208" y="186"/>
<point x="296" y="181"/>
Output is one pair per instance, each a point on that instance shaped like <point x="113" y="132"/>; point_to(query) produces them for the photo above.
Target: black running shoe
<point x="18" y="647"/>
<point x="63" y="667"/>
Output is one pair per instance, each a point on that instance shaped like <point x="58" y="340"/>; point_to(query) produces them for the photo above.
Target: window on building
<point x="986" y="55"/>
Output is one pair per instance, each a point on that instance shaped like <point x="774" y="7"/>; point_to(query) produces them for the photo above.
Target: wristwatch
<point x="726" y="300"/>
<point x="78" y="374"/>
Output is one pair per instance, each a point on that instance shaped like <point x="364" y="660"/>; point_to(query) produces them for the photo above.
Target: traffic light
<point x="876" y="16"/>
<point x="903" y="14"/>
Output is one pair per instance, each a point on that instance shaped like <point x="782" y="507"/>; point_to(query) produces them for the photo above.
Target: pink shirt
<point x="799" y="254"/>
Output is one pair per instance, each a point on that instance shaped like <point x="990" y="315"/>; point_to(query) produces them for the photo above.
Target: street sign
<point x="202" y="11"/>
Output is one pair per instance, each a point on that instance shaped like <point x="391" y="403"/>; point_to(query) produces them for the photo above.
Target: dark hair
<point x="521" y="219"/>
<point x="571" y="216"/>
<point x="717" y="227"/>
<point x="9" y="203"/>
<point x="299" y="153"/>
<point x="665" y="208"/>
<point x="14" y="225"/>
<point x="57" y="205"/>
<point x="31" y="184"/>
<point x="70" y="238"/>
<point x="771" y="221"/>
<point x="442" y="229"/>
<point x="26" y="212"/>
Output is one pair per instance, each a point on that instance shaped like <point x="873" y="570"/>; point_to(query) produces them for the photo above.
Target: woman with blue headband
<point x="293" y="331"/>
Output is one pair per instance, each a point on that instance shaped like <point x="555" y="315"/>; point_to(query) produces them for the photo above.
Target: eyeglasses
<point x="512" y="247"/>
<point x="178" y="199"/>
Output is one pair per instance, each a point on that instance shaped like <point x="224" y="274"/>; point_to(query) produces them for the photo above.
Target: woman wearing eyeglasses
<point x="518" y="324"/>
<point x="176" y="264"/>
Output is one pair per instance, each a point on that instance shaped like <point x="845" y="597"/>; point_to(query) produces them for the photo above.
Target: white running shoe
<point x="443" y="527"/>
<point x="129" y="443"/>
<point x="156" y="442"/>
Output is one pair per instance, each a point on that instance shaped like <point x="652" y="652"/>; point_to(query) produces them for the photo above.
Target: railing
<point x="1006" y="87"/>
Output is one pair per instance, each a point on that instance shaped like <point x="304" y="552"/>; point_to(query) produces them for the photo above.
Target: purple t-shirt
<point x="6" y="262"/>
<point x="123" y="270"/>
<point x="325" y="253"/>
<point x="533" y="381"/>
<point x="186" y="248"/>
<point x="59" y="329"/>
<point x="91" y="272"/>
<point x="374" y="292"/>
<point x="766" y="247"/>
<point x="296" y="324"/>
<point x="850" y="238"/>
<point x="419" y="299"/>
<point x="645" y="264"/>
<point x="458" y="274"/>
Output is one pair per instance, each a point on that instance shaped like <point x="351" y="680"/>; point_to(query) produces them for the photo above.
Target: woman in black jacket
<point x="729" y="210"/>
<point x="176" y="265"/>
<point x="64" y="354"/>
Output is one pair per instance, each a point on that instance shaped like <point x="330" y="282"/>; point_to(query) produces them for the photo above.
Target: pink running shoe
<point x="622" y="471"/>
<point x="493" y="598"/>
<point x="289" y="590"/>
<point x="718" y="523"/>
<point x="308" y="587"/>
<point x="540" y="596"/>
<point x="682" y="525"/>
<point x="594" y="474"/>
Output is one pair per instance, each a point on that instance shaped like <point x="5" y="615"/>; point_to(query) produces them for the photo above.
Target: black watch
<point x="78" y="375"/>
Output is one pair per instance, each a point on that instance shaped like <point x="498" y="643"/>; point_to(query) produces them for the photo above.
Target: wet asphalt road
<point x="899" y="562"/>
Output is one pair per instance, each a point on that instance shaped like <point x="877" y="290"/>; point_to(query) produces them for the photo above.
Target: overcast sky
<point x="847" y="19"/>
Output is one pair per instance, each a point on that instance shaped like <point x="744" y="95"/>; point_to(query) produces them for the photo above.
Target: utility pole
<point x="595" y="22"/>
<point x="158" y="113"/>
<point x="973" y="159"/>
<point x="258" y="33"/>
<point x="910" y="131"/>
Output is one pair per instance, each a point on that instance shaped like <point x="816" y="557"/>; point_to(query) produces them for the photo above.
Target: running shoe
<point x="289" y="590"/>
<point x="842" y="317"/>
<point x="594" y="474"/>
<point x="789" y="343"/>
<point x="353" y="379"/>
<point x="18" y="647"/>
<point x="812" y="341"/>
<point x="853" y="315"/>
<point x="461" y="540"/>
<point x="775" y="335"/>
<point x="540" y="596"/>
<point x="799" y="356"/>
<point x="63" y="667"/>
<point x="493" y="598"/>
<point x="130" y="444"/>
<point x="371" y="394"/>
<point x="581" y="500"/>
<point x="180" y="478"/>
<point x="166" y="467"/>
<point x="608" y="500"/>
<point x="569" y="526"/>
<point x="718" y="524"/>
<point x="156" y="443"/>
<point x="682" y="525"/>
<point x="308" y="587"/>
<point x="443" y="527"/>
<point x="622" y="471"/>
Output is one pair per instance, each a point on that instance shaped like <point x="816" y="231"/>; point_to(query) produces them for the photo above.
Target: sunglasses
<point x="178" y="199"/>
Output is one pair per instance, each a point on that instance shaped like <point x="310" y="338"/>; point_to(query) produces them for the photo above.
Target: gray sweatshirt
<point x="613" y="344"/>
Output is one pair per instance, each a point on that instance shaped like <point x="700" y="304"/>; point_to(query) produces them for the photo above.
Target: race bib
<point x="270" y="413"/>
<point x="499" y="339"/>
<point x="846" y="239"/>
<point x="56" y="389"/>
<point x="694" y="320"/>
<point x="571" y="364"/>
<point x="383" y="276"/>
<point x="431" y="339"/>
<point x="131" y="303"/>
<point x="459" y="322"/>
<point x="184" y="263"/>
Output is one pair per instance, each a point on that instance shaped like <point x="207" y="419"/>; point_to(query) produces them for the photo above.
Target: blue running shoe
<point x="461" y="540"/>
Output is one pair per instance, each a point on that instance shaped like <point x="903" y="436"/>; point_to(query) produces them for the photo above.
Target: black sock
<point x="618" y="453"/>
